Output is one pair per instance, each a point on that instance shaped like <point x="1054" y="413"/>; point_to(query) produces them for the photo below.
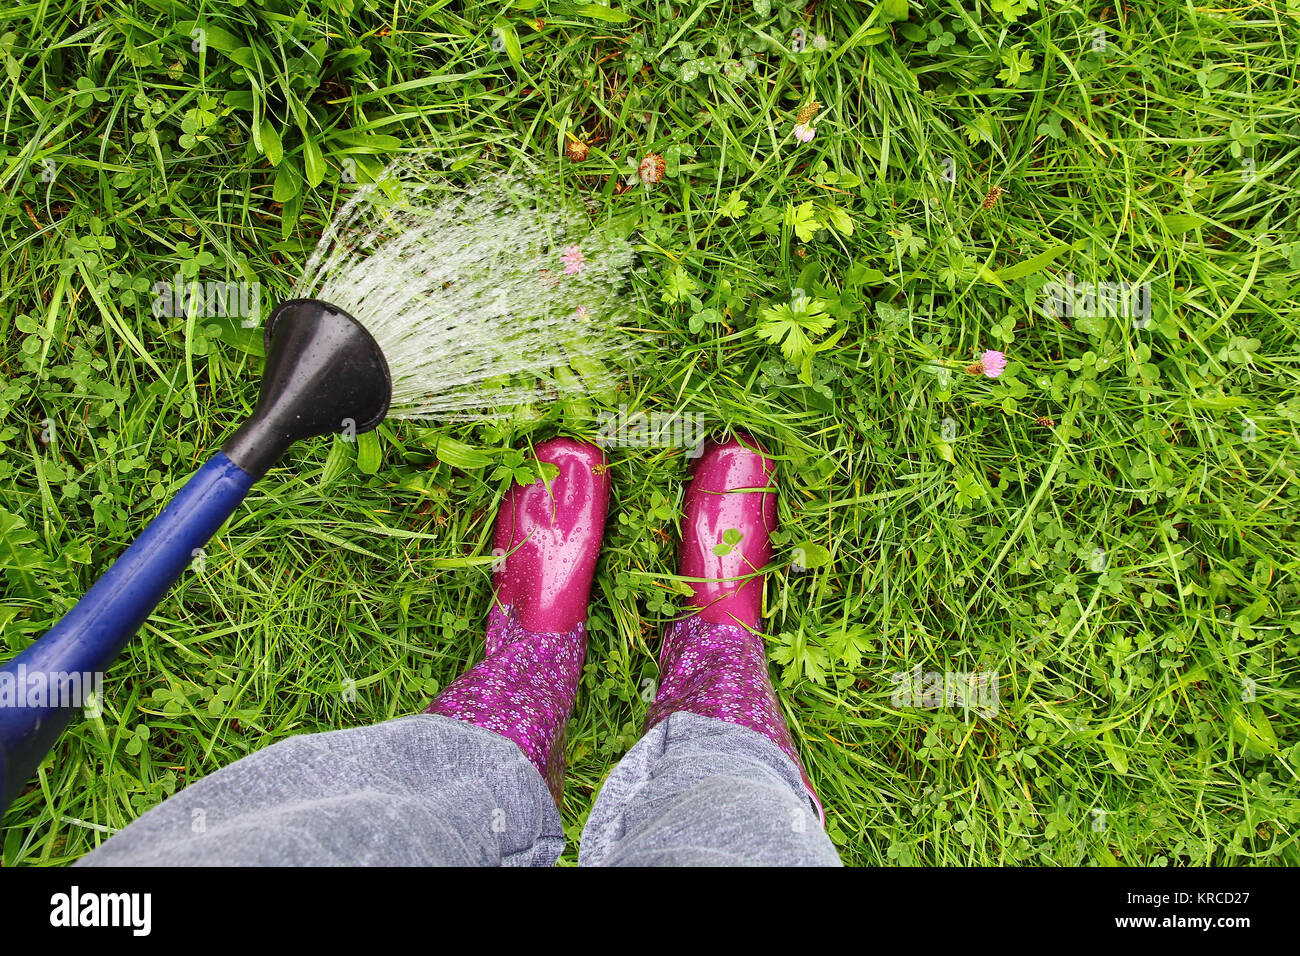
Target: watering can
<point x="324" y="373"/>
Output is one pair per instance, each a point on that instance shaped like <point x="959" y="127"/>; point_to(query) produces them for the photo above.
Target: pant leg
<point x="422" y="790"/>
<point x="697" y="791"/>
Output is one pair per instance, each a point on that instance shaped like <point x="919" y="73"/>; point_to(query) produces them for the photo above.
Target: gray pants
<point x="431" y="791"/>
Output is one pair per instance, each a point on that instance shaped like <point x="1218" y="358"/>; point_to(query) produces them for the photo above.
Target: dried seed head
<point x="991" y="200"/>
<point x="651" y="169"/>
<point x="576" y="150"/>
<point x="807" y="113"/>
<point x="1046" y="422"/>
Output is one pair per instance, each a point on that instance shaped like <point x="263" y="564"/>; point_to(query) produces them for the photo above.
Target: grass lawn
<point x="1109" y="526"/>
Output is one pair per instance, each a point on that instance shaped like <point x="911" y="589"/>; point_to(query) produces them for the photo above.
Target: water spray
<point x="418" y="302"/>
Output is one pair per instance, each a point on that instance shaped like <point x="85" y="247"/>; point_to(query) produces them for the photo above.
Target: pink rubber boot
<point x="714" y="663"/>
<point x="525" y="686"/>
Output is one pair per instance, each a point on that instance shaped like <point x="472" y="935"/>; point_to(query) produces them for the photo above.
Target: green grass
<point x="1122" y="735"/>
